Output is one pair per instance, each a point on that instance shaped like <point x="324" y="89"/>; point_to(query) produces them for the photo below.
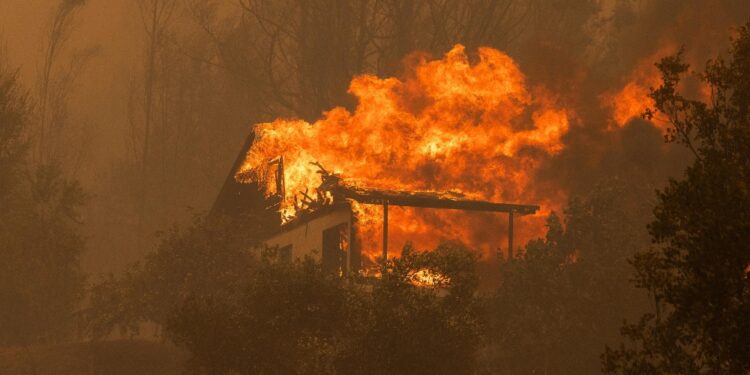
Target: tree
<point x="55" y="82"/>
<point x="209" y="257"/>
<point x="300" y="55"/>
<point x="41" y="283"/>
<point x="287" y="318"/>
<point x="697" y="271"/>
<point x="421" y="316"/>
<point x="155" y="15"/>
<point x="185" y="123"/>
<point x="13" y="120"/>
<point x="564" y="297"/>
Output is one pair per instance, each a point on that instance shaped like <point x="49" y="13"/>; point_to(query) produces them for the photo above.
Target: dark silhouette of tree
<point x="697" y="272"/>
<point x="298" y="318"/>
<point x="57" y="36"/>
<point x="186" y="120"/>
<point x="13" y="119"/>
<point x="565" y="296"/>
<point x="301" y="55"/>
<point x="41" y="283"/>
<point x="208" y="257"/>
<point x="288" y="318"/>
<point x="155" y="16"/>
<point x="434" y="329"/>
<point x="61" y="68"/>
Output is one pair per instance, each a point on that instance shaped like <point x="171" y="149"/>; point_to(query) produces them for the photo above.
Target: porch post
<point x="510" y="235"/>
<point x="385" y="230"/>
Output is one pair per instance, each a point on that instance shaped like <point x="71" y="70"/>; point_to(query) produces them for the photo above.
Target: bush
<point x="297" y="318"/>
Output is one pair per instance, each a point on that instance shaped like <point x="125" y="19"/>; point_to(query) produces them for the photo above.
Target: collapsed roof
<point x="341" y="189"/>
<point x="238" y="197"/>
<point x="429" y="199"/>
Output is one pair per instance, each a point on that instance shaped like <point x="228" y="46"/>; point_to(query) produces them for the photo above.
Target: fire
<point x="428" y="278"/>
<point x="633" y="99"/>
<point x="449" y="124"/>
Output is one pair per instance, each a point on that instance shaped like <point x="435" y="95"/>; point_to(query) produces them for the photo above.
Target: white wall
<point x="307" y="238"/>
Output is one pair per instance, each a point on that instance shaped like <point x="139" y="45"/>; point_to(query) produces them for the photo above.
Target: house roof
<point x="243" y="198"/>
<point x="238" y="200"/>
<point x="429" y="199"/>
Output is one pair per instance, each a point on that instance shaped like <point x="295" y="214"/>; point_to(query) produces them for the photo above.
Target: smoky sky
<point x="579" y="51"/>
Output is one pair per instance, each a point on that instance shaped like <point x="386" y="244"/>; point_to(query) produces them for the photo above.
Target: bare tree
<point x="307" y="51"/>
<point x="155" y="16"/>
<point x="56" y="79"/>
<point x="475" y="23"/>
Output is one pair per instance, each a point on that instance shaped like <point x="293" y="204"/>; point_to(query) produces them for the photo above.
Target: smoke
<point x="626" y="39"/>
<point x="578" y="50"/>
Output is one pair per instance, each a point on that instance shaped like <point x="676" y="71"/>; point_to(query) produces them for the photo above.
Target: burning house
<point x="444" y="144"/>
<point x="325" y="223"/>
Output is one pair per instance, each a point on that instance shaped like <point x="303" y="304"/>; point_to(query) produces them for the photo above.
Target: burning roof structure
<point x="324" y="223"/>
<point x="454" y="133"/>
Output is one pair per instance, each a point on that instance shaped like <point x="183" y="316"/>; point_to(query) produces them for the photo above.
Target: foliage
<point x="563" y="298"/>
<point x="431" y="329"/>
<point x="297" y="318"/>
<point x="212" y="256"/>
<point x="697" y="269"/>
<point x="286" y="319"/>
<point x="41" y="282"/>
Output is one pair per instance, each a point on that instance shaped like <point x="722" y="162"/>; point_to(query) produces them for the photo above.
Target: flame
<point x="449" y="124"/>
<point x="632" y="100"/>
<point x="428" y="278"/>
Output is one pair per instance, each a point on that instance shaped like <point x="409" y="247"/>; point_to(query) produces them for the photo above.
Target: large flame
<point x="632" y="100"/>
<point x="448" y="125"/>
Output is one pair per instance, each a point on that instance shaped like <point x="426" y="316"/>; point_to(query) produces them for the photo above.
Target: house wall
<point x="307" y="238"/>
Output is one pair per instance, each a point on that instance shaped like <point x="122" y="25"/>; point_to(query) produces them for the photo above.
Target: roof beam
<point x="431" y="200"/>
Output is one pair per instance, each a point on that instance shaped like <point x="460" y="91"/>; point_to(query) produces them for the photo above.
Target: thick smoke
<point x="627" y="38"/>
<point x="216" y="54"/>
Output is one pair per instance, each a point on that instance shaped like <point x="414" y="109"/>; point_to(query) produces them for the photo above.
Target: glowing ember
<point x="428" y="278"/>
<point x="450" y="125"/>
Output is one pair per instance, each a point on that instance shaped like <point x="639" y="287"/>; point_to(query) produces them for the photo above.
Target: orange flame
<point x="449" y="125"/>
<point x="633" y="99"/>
